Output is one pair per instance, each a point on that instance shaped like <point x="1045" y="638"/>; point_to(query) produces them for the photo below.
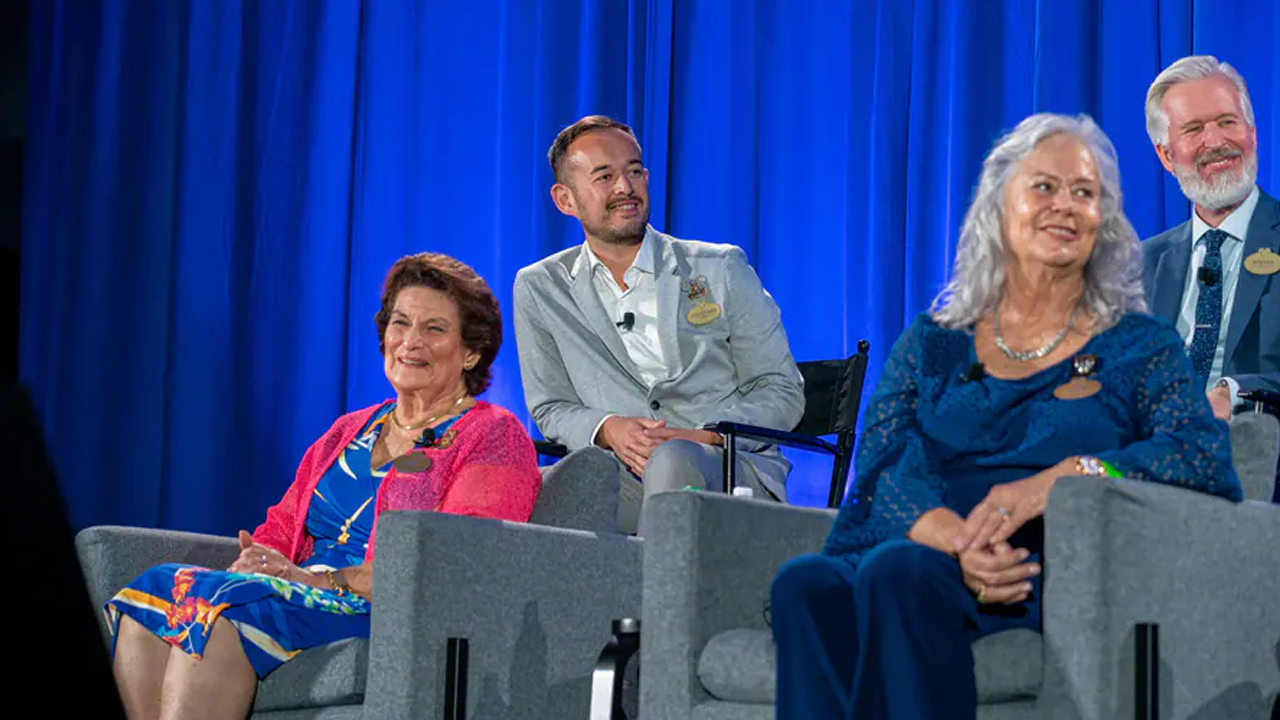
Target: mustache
<point x="1216" y="155"/>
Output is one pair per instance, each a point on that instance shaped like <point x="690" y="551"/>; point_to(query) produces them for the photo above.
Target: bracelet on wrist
<point x="1093" y="467"/>
<point x="337" y="583"/>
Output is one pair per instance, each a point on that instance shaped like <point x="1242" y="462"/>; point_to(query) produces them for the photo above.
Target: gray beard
<point x="1223" y="191"/>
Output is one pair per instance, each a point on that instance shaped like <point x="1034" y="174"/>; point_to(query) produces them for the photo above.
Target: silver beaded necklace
<point x="1038" y="352"/>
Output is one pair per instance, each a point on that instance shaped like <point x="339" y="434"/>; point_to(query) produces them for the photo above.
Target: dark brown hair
<point x="590" y="123"/>
<point x="478" y="309"/>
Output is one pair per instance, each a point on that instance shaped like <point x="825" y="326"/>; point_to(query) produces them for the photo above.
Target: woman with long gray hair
<point x="1038" y="360"/>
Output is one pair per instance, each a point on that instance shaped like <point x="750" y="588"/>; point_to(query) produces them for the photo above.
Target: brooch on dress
<point x="1081" y="385"/>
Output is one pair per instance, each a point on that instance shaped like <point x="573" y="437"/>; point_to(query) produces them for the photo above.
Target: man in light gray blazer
<point x="1216" y="276"/>
<point x="634" y="340"/>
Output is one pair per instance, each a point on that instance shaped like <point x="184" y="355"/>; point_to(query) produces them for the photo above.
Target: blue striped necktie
<point x="1204" y="340"/>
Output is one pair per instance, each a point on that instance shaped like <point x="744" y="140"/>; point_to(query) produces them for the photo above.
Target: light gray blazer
<point x="737" y="368"/>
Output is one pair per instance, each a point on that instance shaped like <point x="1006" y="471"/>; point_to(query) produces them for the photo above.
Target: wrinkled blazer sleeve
<point x="770" y="389"/>
<point x="1259" y="381"/>
<point x="548" y="391"/>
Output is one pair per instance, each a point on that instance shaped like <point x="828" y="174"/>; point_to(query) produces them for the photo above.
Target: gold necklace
<point x="428" y="421"/>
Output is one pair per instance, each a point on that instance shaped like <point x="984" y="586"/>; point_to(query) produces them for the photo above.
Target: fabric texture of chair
<point x="579" y="492"/>
<point x="739" y="666"/>
<point x="1255" y="442"/>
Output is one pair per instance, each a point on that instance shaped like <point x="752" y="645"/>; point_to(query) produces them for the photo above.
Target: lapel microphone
<point x="428" y="437"/>
<point x="973" y="373"/>
<point x="628" y="321"/>
<point x="1208" y="276"/>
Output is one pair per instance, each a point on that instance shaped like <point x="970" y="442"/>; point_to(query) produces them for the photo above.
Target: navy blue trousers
<point x="887" y="637"/>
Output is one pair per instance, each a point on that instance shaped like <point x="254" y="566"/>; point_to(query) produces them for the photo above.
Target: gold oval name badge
<point x="703" y="313"/>
<point x="412" y="462"/>
<point x="1263" y="262"/>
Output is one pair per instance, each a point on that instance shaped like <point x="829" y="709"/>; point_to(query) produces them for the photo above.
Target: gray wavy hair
<point x="1190" y="69"/>
<point x="1113" y="273"/>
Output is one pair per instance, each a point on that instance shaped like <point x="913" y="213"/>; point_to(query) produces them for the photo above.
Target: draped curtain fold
<point x="215" y="188"/>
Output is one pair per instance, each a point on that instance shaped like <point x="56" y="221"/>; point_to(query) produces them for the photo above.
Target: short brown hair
<point x="588" y="124"/>
<point x="478" y="309"/>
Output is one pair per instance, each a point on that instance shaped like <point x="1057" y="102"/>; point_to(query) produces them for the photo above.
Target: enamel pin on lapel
<point x="704" y="311"/>
<point x="1263" y="262"/>
<point x="1082" y="384"/>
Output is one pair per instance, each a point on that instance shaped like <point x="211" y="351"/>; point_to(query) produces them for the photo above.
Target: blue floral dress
<point x="276" y="618"/>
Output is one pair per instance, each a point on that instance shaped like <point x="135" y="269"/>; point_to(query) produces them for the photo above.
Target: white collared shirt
<point x="1236" y="226"/>
<point x="642" y="340"/>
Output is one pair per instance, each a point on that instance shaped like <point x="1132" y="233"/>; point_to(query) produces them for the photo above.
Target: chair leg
<point x="1146" y="688"/>
<point x="606" y="680"/>
<point x="839" y="475"/>
<point x="730" y="464"/>
<point x="457" y="653"/>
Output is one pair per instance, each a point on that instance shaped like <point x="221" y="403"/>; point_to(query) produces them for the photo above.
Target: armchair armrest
<point x="708" y="566"/>
<point x="1263" y="400"/>
<point x="1122" y="552"/>
<point x="111" y="556"/>
<point x="773" y="437"/>
<point x="535" y="603"/>
<point x="550" y="449"/>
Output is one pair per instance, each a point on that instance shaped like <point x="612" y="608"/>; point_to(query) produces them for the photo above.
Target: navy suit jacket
<point x="1253" y="330"/>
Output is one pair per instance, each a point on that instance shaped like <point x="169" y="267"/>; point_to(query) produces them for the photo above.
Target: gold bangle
<point x="339" y="586"/>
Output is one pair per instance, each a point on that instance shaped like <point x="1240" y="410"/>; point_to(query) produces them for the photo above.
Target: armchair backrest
<point x="832" y="397"/>
<point x="1255" y="451"/>
<point x="580" y="492"/>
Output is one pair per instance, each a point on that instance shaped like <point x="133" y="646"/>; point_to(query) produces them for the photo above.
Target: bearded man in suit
<point x="1215" y="276"/>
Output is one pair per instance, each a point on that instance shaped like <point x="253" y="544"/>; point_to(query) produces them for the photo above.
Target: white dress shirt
<point x="641" y="340"/>
<point x="1236" y="226"/>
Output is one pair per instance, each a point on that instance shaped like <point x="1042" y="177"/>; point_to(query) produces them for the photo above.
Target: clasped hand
<point x="257" y="558"/>
<point x="633" y="439"/>
<point x="998" y="574"/>
<point x="992" y="569"/>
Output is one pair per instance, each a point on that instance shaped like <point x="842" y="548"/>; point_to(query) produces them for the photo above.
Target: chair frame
<point x="843" y="424"/>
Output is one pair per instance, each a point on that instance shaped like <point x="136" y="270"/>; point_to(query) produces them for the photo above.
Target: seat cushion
<point x="1008" y="666"/>
<point x="720" y="710"/>
<point x="739" y="666"/>
<point x="320" y="677"/>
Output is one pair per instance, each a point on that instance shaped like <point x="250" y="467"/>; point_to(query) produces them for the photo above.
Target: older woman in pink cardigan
<point x="191" y="642"/>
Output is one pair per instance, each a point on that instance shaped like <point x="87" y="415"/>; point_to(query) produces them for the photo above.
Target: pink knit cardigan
<point x="487" y="468"/>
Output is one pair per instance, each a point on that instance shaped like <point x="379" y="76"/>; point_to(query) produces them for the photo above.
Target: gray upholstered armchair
<point x="534" y="601"/>
<point x="1118" y="553"/>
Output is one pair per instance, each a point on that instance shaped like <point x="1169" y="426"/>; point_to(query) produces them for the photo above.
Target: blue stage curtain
<point x="215" y="188"/>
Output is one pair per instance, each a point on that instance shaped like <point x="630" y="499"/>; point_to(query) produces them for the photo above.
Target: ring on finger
<point x="1003" y="512"/>
<point x="264" y="559"/>
<point x="982" y="593"/>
